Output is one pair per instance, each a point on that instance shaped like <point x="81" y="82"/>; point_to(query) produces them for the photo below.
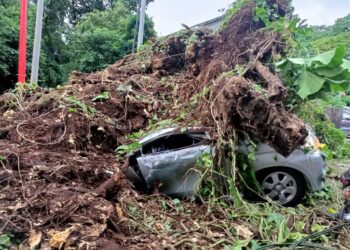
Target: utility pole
<point x="22" y="53"/>
<point x="142" y="23"/>
<point x="136" y="26"/>
<point x="37" y="41"/>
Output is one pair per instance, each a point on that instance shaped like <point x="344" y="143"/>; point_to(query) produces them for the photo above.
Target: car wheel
<point x="282" y="185"/>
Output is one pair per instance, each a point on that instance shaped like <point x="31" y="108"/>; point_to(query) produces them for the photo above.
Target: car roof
<point x="157" y="134"/>
<point x="168" y="131"/>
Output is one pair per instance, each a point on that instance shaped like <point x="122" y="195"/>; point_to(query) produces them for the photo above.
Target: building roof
<point x="212" y="22"/>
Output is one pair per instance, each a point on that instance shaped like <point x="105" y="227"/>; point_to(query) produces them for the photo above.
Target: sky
<point x="168" y="15"/>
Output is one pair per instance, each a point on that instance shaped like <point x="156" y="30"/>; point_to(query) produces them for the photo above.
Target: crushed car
<point x="166" y="157"/>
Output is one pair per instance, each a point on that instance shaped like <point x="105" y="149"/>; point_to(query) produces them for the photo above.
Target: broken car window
<point x="171" y="142"/>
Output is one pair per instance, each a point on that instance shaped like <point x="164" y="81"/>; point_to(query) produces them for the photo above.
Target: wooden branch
<point x="110" y="184"/>
<point x="277" y="92"/>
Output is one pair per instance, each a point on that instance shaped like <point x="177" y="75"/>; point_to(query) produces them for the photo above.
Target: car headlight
<point x="313" y="142"/>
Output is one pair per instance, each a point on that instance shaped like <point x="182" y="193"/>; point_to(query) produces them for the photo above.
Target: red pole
<point x="22" y="42"/>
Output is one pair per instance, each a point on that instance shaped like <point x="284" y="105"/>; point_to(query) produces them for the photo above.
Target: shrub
<point x="314" y="114"/>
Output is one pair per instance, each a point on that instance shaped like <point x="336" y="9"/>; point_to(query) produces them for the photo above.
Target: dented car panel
<point x="174" y="169"/>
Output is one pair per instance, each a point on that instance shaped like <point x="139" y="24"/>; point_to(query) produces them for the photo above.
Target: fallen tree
<point x="202" y="63"/>
<point x="59" y="143"/>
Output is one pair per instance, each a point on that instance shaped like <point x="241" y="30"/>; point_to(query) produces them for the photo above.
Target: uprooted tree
<point x="59" y="143"/>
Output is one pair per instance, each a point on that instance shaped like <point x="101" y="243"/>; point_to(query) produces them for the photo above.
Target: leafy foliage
<point x="325" y="38"/>
<point x="5" y="242"/>
<point x="326" y="72"/>
<point x="9" y="39"/>
<point x="102" y="96"/>
<point x="341" y="25"/>
<point x="74" y="104"/>
<point x="208" y="186"/>
<point x="126" y="149"/>
<point x="79" y="34"/>
<point x="314" y="113"/>
<point x="236" y="6"/>
<point x="54" y="46"/>
<point x="53" y="54"/>
<point x="103" y="37"/>
<point x="330" y="42"/>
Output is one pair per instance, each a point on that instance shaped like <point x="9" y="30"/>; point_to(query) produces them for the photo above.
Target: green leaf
<point x="5" y="240"/>
<point x="309" y="84"/>
<point x="297" y="236"/>
<point x="102" y="96"/>
<point x="73" y="110"/>
<point x="283" y="232"/>
<point x="254" y="245"/>
<point x="299" y="61"/>
<point x="239" y="244"/>
<point x="281" y="63"/>
<point x="329" y="72"/>
<point x="287" y="63"/>
<point x="165" y="123"/>
<point x="317" y="228"/>
<point x="345" y="75"/>
<point x="300" y="226"/>
<point x="125" y="149"/>
<point x="331" y="58"/>
<point x="176" y="202"/>
<point x="346" y="65"/>
<point x="132" y="209"/>
<point x="184" y="130"/>
<point x="339" y="87"/>
<point x="275" y="217"/>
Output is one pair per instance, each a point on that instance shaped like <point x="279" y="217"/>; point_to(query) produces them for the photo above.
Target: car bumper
<point x="317" y="170"/>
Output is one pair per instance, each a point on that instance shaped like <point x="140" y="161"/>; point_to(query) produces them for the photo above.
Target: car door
<point x="173" y="170"/>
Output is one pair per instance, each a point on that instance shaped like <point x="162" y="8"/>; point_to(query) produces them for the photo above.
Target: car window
<point x="171" y="142"/>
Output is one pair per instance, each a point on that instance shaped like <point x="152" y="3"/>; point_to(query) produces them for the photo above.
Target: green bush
<point x="5" y="241"/>
<point x="103" y="37"/>
<point x="314" y="114"/>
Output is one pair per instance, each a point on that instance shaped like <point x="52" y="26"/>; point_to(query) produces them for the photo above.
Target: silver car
<point x="345" y="121"/>
<point x="166" y="157"/>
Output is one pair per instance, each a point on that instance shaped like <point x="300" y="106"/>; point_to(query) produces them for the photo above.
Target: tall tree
<point x="78" y="8"/>
<point x="325" y="38"/>
<point x="54" y="47"/>
<point x="133" y="4"/>
<point x="77" y="34"/>
<point x="341" y="25"/>
<point x="103" y="37"/>
<point x="9" y="38"/>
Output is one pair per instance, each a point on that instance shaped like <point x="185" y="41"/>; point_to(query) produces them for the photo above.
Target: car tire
<point x="283" y="185"/>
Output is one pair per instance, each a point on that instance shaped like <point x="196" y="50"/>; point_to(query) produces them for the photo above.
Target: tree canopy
<point x="101" y="37"/>
<point x="325" y="38"/>
<point x="77" y="35"/>
<point x="9" y="29"/>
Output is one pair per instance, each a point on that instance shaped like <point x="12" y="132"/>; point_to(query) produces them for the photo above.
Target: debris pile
<point x="59" y="175"/>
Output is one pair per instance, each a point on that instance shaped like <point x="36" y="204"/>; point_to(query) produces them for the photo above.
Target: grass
<point x="222" y="225"/>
